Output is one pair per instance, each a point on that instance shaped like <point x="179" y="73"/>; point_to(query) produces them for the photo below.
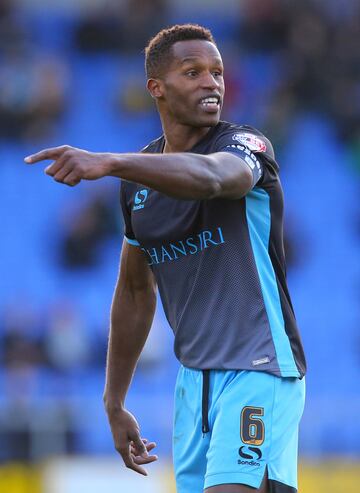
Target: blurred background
<point x="72" y="72"/>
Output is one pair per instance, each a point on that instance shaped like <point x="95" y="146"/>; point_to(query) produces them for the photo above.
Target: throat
<point x="184" y="140"/>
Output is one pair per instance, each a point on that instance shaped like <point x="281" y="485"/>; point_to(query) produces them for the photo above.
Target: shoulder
<point x="246" y="135"/>
<point x="233" y="135"/>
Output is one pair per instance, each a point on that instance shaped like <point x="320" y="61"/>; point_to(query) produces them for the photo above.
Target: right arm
<point x="132" y="312"/>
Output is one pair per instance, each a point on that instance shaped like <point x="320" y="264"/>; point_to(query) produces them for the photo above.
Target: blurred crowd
<point x="315" y="55"/>
<point x="41" y="351"/>
<point x="85" y="231"/>
<point x="56" y="338"/>
<point x="32" y="82"/>
<point x="318" y="58"/>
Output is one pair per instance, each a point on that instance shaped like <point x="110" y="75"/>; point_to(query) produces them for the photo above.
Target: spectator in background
<point x="325" y="59"/>
<point x="67" y="342"/>
<point x="30" y="430"/>
<point x="124" y="27"/>
<point x="304" y="85"/>
<point x="132" y="98"/>
<point x="318" y="62"/>
<point x="263" y="25"/>
<point x="22" y="337"/>
<point x="22" y="355"/>
<point x="86" y="231"/>
<point x="32" y="94"/>
<point x="307" y="56"/>
<point x="141" y="20"/>
<point x="11" y="32"/>
<point x="98" y="30"/>
<point x="345" y="90"/>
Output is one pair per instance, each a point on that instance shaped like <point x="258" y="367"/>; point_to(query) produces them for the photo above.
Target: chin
<point x="214" y="122"/>
<point x="206" y="121"/>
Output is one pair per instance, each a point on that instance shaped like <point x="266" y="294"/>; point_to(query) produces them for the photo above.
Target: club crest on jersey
<point x="251" y="141"/>
<point x="139" y="199"/>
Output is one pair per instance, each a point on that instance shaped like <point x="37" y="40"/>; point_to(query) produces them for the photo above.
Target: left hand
<point x="71" y="165"/>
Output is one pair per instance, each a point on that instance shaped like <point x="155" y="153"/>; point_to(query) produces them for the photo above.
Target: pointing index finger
<point x="52" y="153"/>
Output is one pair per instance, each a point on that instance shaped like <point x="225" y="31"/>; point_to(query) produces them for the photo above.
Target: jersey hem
<point x="291" y="372"/>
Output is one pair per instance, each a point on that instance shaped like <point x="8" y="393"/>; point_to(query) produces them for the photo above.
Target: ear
<point x="155" y="88"/>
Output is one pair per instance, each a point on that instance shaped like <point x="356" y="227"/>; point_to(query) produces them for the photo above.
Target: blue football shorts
<point x="230" y="426"/>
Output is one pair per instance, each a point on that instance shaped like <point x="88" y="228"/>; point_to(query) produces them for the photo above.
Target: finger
<point x="71" y="179"/>
<point x="128" y="460"/>
<point x="139" y="445"/>
<point x="142" y="461"/>
<point x="61" y="171"/>
<point x="130" y="464"/>
<point x="144" y="440"/>
<point x="149" y="446"/>
<point x="51" y="153"/>
<point x="57" y="165"/>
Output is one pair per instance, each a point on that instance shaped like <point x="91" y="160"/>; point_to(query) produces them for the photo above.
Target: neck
<point x="181" y="138"/>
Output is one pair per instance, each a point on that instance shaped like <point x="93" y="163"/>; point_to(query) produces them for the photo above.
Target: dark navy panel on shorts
<point x="220" y="265"/>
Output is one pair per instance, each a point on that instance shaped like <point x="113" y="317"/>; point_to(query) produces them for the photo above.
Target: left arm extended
<point x="179" y="175"/>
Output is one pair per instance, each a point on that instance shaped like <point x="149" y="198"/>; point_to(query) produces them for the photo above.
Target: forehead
<point x="197" y="49"/>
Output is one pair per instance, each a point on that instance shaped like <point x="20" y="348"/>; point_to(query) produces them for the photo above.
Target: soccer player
<point x="203" y="212"/>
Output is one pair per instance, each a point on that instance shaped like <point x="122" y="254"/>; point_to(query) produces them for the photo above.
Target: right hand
<point x="71" y="165"/>
<point x="133" y="449"/>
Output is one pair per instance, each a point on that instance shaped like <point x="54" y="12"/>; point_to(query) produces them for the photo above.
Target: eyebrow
<point x="195" y="58"/>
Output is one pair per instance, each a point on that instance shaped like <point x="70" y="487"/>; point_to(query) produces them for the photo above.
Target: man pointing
<point x="203" y="213"/>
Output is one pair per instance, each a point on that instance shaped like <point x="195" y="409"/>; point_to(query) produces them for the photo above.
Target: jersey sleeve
<point x="126" y="212"/>
<point x="252" y="147"/>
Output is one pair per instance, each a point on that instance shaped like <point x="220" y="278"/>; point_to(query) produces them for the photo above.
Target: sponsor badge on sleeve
<point x="251" y="141"/>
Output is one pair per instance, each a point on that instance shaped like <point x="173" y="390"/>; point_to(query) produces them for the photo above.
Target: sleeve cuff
<point x="131" y="242"/>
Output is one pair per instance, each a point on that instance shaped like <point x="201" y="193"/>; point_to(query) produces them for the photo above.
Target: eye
<point x="191" y="73"/>
<point x="217" y="73"/>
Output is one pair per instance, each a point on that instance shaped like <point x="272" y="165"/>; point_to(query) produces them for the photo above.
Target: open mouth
<point x="211" y="103"/>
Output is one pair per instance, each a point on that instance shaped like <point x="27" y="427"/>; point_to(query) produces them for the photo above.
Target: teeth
<point x="209" y="100"/>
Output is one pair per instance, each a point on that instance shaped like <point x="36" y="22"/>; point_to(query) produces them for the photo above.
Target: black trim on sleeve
<point x="249" y="158"/>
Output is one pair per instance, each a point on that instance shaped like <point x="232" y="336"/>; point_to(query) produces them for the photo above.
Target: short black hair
<point x="158" y="51"/>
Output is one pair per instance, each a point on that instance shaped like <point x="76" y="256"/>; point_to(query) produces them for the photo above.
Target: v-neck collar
<point x="207" y="136"/>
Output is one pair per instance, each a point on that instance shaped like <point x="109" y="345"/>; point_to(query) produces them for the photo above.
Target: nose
<point x="209" y="81"/>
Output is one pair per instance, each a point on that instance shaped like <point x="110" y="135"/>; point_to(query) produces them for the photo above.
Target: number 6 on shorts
<point x="252" y="429"/>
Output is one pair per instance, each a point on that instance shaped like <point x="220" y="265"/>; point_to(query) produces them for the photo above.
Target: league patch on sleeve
<point x="251" y="141"/>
